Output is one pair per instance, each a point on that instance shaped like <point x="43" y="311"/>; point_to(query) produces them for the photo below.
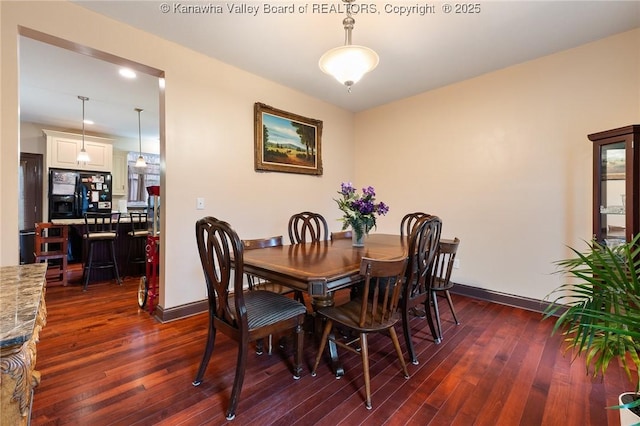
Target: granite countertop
<point x="21" y="290"/>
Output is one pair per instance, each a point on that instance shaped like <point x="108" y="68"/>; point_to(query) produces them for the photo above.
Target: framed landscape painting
<point x="613" y="162"/>
<point x="286" y="142"/>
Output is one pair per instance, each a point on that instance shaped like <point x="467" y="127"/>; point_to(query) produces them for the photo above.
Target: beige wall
<point x="504" y="159"/>
<point x="207" y="147"/>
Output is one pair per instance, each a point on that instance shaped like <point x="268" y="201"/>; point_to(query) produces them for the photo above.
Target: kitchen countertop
<point x="124" y="218"/>
<point x="21" y="290"/>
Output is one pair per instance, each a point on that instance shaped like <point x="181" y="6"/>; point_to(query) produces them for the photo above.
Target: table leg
<point x="321" y="302"/>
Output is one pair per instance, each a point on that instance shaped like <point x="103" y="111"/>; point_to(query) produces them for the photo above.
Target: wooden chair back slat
<point x="307" y="227"/>
<point x="339" y="235"/>
<point x="409" y="220"/>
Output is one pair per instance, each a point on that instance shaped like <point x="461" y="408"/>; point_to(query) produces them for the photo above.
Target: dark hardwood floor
<point x="106" y="362"/>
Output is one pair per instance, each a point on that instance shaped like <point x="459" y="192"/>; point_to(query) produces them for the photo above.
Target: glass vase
<point x="357" y="235"/>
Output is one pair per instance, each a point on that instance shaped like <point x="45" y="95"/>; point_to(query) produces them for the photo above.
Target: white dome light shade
<point x="83" y="156"/>
<point x="349" y="63"/>
<point x="140" y="162"/>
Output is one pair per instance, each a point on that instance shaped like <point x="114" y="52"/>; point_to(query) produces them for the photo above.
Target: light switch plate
<point x="200" y="203"/>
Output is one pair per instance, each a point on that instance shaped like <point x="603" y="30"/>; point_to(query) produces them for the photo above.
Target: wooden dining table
<point x="321" y="268"/>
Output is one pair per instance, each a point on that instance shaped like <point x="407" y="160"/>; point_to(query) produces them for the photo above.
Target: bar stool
<point x="52" y="243"/>
<point x="137" y="240"/>
<point x="100" y="228"/>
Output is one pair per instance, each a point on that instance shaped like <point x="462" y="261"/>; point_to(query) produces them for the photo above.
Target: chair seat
<point x="44" y="255"/>
<point x="273" y="287"/>
<point x="348" y="314"/>
<point x="101" y="236"/>
<point x="55" y="240"/>
<point x="438" y="284"/>
<point x="266" y="308"/>
<point x="138" y="233"/>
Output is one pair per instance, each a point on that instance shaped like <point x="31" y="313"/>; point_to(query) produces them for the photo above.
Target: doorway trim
<point x="91" y="52"/>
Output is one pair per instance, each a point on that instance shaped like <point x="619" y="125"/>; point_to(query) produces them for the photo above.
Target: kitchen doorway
<point x="49" y="100"/>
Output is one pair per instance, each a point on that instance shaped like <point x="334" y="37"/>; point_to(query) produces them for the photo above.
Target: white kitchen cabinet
<point x="120" y="173"/>
<point x="63" y="149"/>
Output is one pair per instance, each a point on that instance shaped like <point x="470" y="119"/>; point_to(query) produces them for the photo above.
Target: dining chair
<point x="257" y="283"/>
<point x="100" y="228"/>
<point x="410" y="219"/>
<point x="307" y="227"/>
<point x="423" y="247"/>
<point x="339" y="235"/>
<point x="375" y="313"/>
<point x="242" y="316"/>
<point x="51" y="244"/>
<point x="441" y="278"/>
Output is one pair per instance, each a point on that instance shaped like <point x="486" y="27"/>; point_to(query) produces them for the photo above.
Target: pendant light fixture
<point x="140" y="161"/>
<point x="83" y="157"/>
<point x="350" y="62"/>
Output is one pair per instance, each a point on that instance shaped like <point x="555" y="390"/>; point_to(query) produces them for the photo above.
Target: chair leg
<point x="237" y="382"/>
<point x="364" y="351"/>
<point x="432" y="327"/>
<point x="436" y="312"/>
<point x="396" y="344"/>
<point x="260" y="346"/>
<point x="297" y="365"/>
<point x="115" y="262"/>
<point x="453" y="311"/>
<point x="64" y="271"/>
<point x="127" y="266"/>
<point x="406" y="329"/>
<point x="87" y="268"/>
<point x="208" y="350"/>
<point x="323" y="343"/>
<point x="298" y="296"/>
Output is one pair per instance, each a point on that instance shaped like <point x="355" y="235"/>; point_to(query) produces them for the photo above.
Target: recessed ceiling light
<point x="127" y="73"/>
<point x="88" y="121"/>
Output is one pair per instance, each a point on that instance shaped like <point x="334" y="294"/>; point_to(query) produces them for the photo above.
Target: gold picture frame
<point x="286" y="142"/>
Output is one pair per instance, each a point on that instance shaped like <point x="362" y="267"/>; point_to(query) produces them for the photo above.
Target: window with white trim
<point x="142" y="177"/>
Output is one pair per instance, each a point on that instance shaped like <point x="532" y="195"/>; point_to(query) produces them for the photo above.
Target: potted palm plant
<point x="597" y="310"/>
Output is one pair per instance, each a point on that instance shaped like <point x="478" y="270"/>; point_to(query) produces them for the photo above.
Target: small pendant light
<point x="83" y="156"/>
<point x="140" y="161"/>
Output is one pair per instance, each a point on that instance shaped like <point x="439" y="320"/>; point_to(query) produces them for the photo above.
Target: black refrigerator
<point x="72" y="193"/>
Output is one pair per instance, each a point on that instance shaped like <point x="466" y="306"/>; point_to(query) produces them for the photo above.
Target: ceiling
<point x="52" y="78"/>
<point x="418" y="51"/>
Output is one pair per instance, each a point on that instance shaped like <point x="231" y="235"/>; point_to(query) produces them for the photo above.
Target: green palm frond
<point x="599" y="307"/>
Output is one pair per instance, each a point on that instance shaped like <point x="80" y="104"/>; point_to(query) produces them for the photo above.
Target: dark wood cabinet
<point x="616" y="184"/>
